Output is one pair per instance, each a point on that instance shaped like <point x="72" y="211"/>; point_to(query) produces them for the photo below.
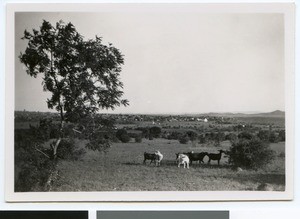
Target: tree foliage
<point x="264" y="135"/>
<point x="99" y="131"/>
<point x="245" y="135"/>
<point x="184" y="139"/>
<point x="123" y="136"/>
<point x="192" y="135"/>
<point x="252" y="153"/>
<point x="231" y="137"/>
<point x="138" y="138"/>
<point x="281" y="135"/>
<point x="155" y="131"/>
<point x="82" y="76"/>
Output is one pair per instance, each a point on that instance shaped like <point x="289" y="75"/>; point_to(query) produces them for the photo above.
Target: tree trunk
<point x="55" y="147"/>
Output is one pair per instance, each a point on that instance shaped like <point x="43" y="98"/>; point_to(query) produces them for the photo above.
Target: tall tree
<point x="82" y="75"/>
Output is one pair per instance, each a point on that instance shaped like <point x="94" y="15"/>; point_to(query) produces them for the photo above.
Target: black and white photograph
<point x="149" y="99"/>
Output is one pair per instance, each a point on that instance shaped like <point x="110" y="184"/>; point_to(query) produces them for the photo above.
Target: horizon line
<point x="192" y="113"/>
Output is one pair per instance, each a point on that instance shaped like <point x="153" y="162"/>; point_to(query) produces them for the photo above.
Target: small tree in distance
<point x="123" y="136"/>
<point x="183" y="139"/>
<point x="192" y="135"/>
<point x="155" y="131"/>
<point x="82" y="75"/>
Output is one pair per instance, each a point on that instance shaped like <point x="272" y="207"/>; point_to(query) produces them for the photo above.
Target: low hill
<point x="276" y="113"/>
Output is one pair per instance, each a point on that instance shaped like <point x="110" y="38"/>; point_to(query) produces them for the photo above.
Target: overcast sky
<point x="178" y="62"/>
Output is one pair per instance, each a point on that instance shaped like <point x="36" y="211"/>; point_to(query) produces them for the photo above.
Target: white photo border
<point x="289" y="41"/>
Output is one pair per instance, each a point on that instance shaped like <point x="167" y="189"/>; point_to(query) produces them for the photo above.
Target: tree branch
<point x="42" y="153"/>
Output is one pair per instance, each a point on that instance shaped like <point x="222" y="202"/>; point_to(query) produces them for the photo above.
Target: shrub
<point x="138" y="139"/>
<point x="145" y="131"/>
<point x="281" y="135"/>
<point x="251" y="154"/>
<point x="99" y="141"/>
<point x="67" y="150"/>
<point x="184" y="139"/>
<point x="202" y="139"/>
<point x="150" y="137"/>
<point x="281" y="155"/>
<point x="231" y="137"/>
<point x="273" y="137"/>
<point x="68" y="130"/>
<point x="174" y="135"/>
<point x="245" y="135"/>
<point x="34" y="172"/>
<point x="219" y="137"/>
<point x="123" y="136"/>
<point x="192" y="135"/>
<point x="155" y="131"/>
<point x="32" y="163"/>
<point x="54" y="132"/>
<point x="263" y="135"/>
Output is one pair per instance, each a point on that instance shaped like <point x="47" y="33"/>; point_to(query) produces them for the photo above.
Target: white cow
<point x="183" y="159"/>
<point x="159" y="157"/>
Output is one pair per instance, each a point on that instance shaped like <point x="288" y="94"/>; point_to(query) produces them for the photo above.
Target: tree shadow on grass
<point x="163" y="163"/>
<point x="262" y="178"/>
<point x="174" y="163"/>
<point x="210" y="166"/>
<point x="133" y="163"/>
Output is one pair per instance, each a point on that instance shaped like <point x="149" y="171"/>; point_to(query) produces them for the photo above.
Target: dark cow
<point x="149" y="156"/>
<point x="197" y="156"/>
<point x="194" y="156"/>
<point x="215" y="156"/>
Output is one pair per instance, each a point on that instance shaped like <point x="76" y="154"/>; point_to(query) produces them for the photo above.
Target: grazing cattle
<point x="159" y="157"/>
<point x="197" y="156"/>
<point x="149" y="156"/>
<point x="185" y="153"/>
<point x="215" y="156"/>
<point x="194" y="156"/>
<point x="183" y="159"/>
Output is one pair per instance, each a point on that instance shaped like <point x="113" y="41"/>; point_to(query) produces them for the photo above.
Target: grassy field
<point x="122" y="169"/>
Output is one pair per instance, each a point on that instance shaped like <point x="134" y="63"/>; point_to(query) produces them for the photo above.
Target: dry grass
<point x="122" y="169"/>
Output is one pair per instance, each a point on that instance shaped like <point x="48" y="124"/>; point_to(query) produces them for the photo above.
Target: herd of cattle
<point x="184" y="159"/>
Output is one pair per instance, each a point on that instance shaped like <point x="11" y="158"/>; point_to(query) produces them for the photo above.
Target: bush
<point x="67" y="150"/>
<point x="98" y="141"/>
<point x="202" y="139"/>
<point x="155" y="131"/>
<point x="245" y="135"/>
<point x="281" y="135"/>
<point x="263" y="135"/>
<point x="251" y="154"/>
<point x="219" y="137"/>
<point x="273" y="137"/>
<point x="138" y="139"/>
<point x="68" y="130"/>
<point x="145" y="131"/>
<point x="34" y="173"/>
<point x="123" y="136"/>
<point x="184" y="140"/>
<point x="174" y="135"/>
<point x="192" y="135"/>
<point x="231" y="137"/>
<point x="32" y="167"/>
<point x="150" y="137"/>
<point x="281" y="155"/>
